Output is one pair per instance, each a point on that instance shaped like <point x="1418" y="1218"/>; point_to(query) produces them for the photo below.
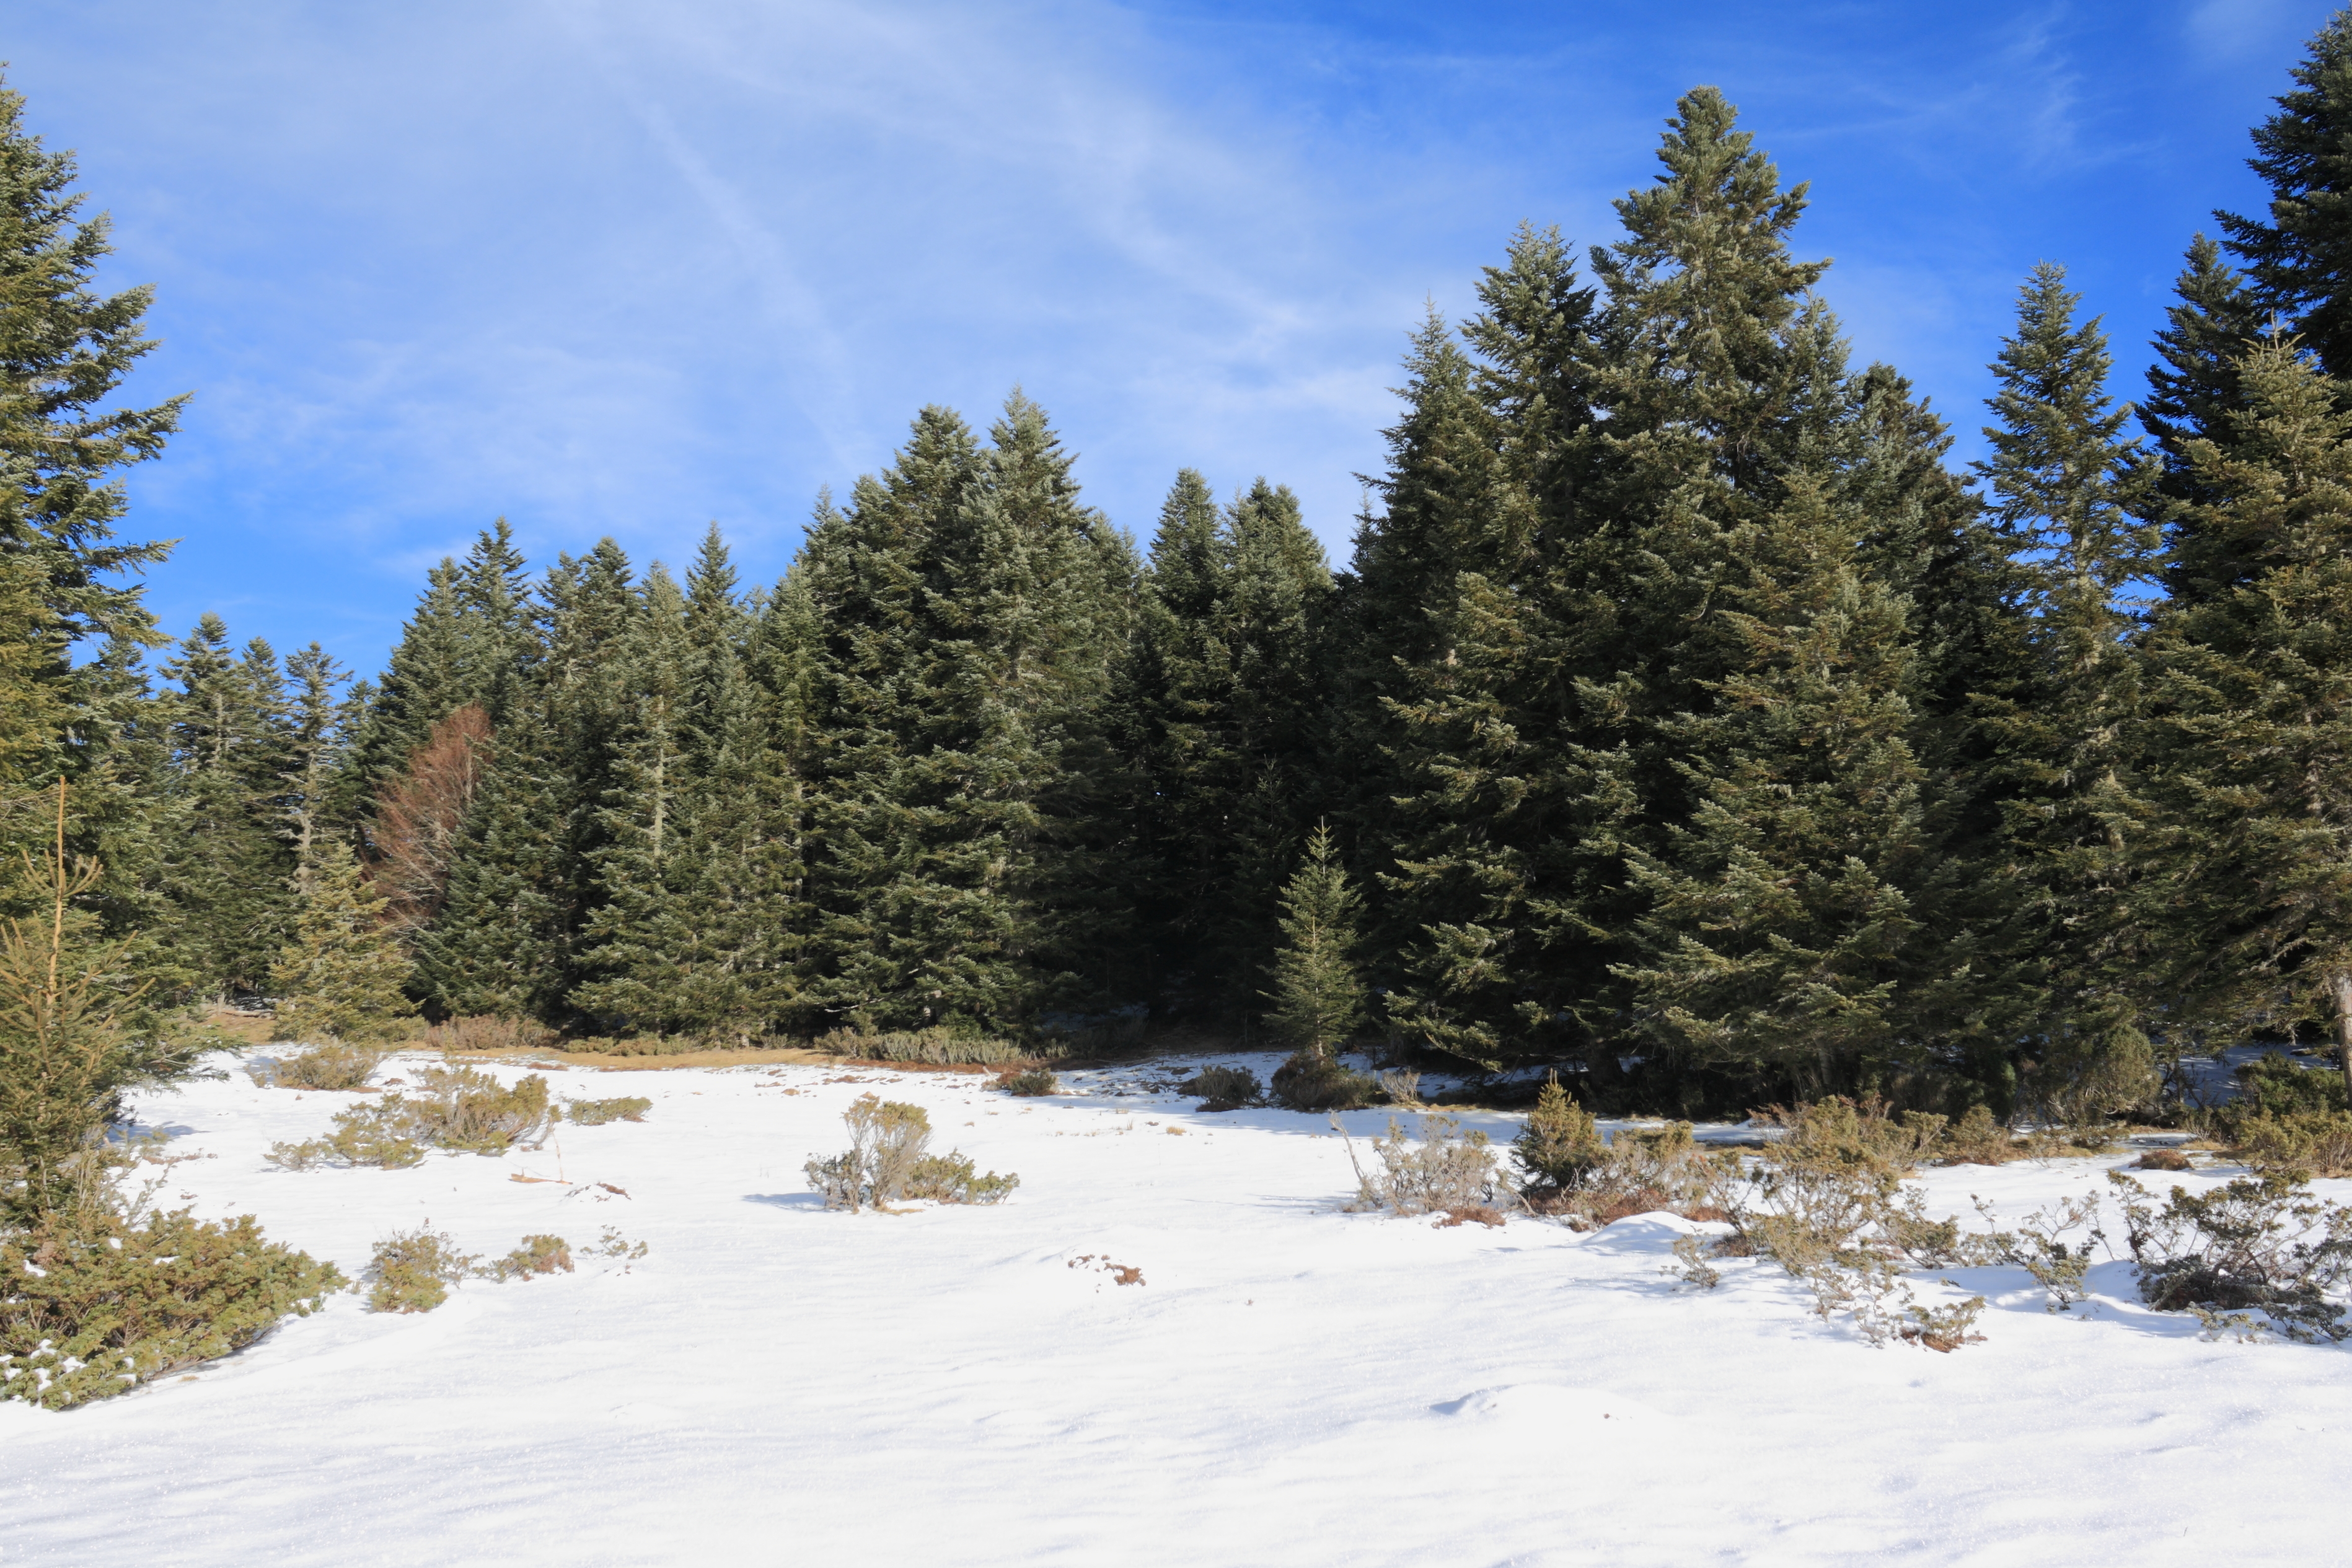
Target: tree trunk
<point x="2343" y="1027"/>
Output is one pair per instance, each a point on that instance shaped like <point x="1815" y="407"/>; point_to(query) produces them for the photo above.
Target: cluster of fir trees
<point x="1682" y="716"/>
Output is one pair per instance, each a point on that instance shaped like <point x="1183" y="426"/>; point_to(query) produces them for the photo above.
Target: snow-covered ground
<point x="1288" y="1384"/>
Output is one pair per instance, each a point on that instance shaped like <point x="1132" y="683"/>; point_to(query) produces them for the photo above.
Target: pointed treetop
<point x="2300" y="255"/>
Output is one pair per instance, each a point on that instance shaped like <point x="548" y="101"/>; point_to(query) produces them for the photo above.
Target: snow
<point x="1288" y="1384"/>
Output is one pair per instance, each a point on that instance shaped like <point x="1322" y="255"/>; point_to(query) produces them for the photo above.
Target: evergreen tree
<point x="341" y="973"/>
<point x="2070" y="493"/>
<point x="64" y="351"/>
<point x="2246" y="899"/>
<point x="313" y="741"/>
<point x="1785" y="923"/>
<point x="1317" y="995"/>
<point x="2299" y="255"/>
<point x="2194" y="388"/>
<point x="229" y="873"/>
<point x="1219" y="703"/>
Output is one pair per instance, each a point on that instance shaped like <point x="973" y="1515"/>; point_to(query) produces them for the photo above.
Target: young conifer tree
<point x="342" y="972"/>
<point x="2071" y="494"/>
<point x="2247" y="895"/>
<point x="1317" y="994"/>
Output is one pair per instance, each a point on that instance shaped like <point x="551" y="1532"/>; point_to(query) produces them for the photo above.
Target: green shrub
<point x="2273" y="1085"/>
<point x="1842" y="1134"/>
<point x="1561" y="1143"/>
<point x="1310" y="1080"/>
<point x="537" y="1255"/>
<point x="935" y="1047"/>
<point x="1224" y="1089"/>
<point x="362" y="1135"/>
<point x="951" y="1178"/>
<point x="886" y="1161"/>
<point x="412" y="1270"/>
<point x="2296" y="1144"/>
<point x="2249" y="1245"/>
<point x="1032" y="1082"/>
<point x="466" y="1108"/>
<point x="332" y="1064"/>
<point x="596" y="1113"/>
<point x="98" y="1303"/>
<point x="1980" y="1138"/>
<point x="1444" y="1172"/>
<point x="612" y="1244"/>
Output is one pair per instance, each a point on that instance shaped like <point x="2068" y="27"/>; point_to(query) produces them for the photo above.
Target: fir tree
<point x="64" y="351"/>
<point x="2298" y="256"/>
<point x="2194" y="389"/>
<point x="313" y="741"/>
<point x="341" y="973"/>
<point x="2070" y="493"/>
<point x="2246" y="899"/>
<point x="1317" y="995"/>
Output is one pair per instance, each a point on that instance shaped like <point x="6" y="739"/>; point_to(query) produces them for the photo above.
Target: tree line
<point x="1682" y="718"/>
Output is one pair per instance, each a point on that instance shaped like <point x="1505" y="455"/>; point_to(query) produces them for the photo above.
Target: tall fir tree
<point x="2073" y="495"/>
<point x="2298" y="253"/>
<point x="2193" y="389"/>
<point x="2246" y="896"/>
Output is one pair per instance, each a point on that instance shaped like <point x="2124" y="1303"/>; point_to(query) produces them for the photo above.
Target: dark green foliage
<point x="2247" y="895"/>
<point x="2299" y="253"/>
<point x="1561" y="1143"/>
<point x="1033" y="1083"/>
<point x="2194" y="391"/>
<point x="1311" y="1080"/>
<point x="1218" y="708"/>
<point x="1224" y="1089"/>
<point x="97" y="1304"/>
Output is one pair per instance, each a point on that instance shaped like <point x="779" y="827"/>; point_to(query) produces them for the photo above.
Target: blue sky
<point x="628" y="269"/>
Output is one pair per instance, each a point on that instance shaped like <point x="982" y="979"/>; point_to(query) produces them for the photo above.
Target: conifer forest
<point x="1685" y="731"/>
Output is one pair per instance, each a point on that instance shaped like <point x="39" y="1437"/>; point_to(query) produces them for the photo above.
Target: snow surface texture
<point x="1288" y="1384"/>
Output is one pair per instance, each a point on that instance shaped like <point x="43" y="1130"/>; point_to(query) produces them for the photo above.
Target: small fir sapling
<point x="1561" y="1143"/>
<point x="342" y="972"/>
<point x="1318" y="996"/>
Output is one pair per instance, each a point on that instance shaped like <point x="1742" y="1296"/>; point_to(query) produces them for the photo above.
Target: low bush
<point x="332" y="1064"/>
<point x="1569" y="1169"/>
<point x="447" y="1108"/>
<point x="1980" y="1138"/>
<point x="466" y="1108"/>
<point x="2295" y="1145"/>
<point x="1224" y="1089"/>
<point x="1311" y="1080"/>
<point x="1560" y="1145"/>
<point x="596" y="1113"/>
<point x="482" y="1032"/>
<point x="95" y="1304"/>
<point x="1032" y="1082"/>
<point x="612" y="1244"/>
<point x="886" y="1161"/>
<point x="362" y="1135"/>
<point x="1445" y="1171"/>
<point x="538" y="1255"/>
<point x="1857" y="1135"/>
<point x="412" y="1270"/>
<point x="935" y="1047"/>
<point x="951" y="1178"/>
<point x="2253" y="1246"/>
<point x="2164" y="1159"/>
<point x="1401" y="1087"/>
<point x="2274" y="1085"/>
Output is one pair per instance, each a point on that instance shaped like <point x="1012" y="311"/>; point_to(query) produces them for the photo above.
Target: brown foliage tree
<point x="420" y="815"/>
